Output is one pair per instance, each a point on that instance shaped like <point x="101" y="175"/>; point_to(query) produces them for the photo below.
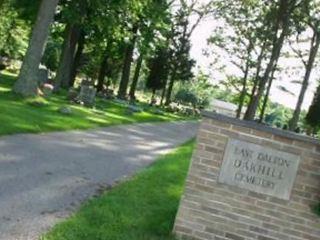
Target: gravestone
<point x="65" y="110"/>
<point x="47" y="89"/>
<point x="87" y="95"/>
<point x="43" y="76"/>
<point x="250" y="182"/>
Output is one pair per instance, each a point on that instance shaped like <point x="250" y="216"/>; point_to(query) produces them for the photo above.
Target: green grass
<point x="143" y="208"/>
<point x="19" y="116"/>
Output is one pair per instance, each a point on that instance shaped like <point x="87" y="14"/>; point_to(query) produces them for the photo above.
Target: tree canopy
<point x="127" y="44"/>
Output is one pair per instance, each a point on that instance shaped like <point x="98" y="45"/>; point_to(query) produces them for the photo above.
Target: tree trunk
<point x="243" y="93"/>
<point x="284" y="14"/>
<point x="170" y="88"/>
<point x="163" y="92"/>
<point x="293" y="123"/>
<point x="136" y="78"/>
<point x="152" y="96"/>
<point x="64" y="72"/>
<point x="122" y="93"/>
<point x="244" y="83"/>
<point x="27" y="83"/>
<point x="77" y="58"/>
<point x="102" y="72"/>
<point x="266" y="98"/>
<point x="257" y="75"/>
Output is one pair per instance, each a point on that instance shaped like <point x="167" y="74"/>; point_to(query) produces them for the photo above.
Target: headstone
<point x="132" y="109"/>
<point x="65" y="110"/>
<point x="158" y="112"/>
<point x="43" y="76"/>
<point x="87" y="95"/>
<point x="47" y="89"/>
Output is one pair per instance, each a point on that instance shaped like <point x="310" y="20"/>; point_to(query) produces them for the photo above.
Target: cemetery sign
<point x="259" y="169"/>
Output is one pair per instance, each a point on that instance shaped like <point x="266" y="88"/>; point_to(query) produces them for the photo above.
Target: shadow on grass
<point x="143" y="208"/>
<point x="18" y="116"/>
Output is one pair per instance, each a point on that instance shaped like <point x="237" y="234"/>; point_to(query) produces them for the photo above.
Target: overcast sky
<point x="199" y="43"/>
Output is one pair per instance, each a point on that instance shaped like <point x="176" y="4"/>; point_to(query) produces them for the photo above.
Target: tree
<point x="27" y="83"/>
<point x="52" y="52"/>
<point x="313" y="115"/>
<point x="74" y="15"/>
<point x="179" y="39"/>
<point x="198" y="92"/>
<point x="77" y="57"/>
<point x="148" y="24"/>
<point x="180" y="67"/>
<point x="277" y="115"/>
<point x="106" y="37"/>
<point x="186" y="97"/>
<point x="240" y="38"/>
<point x="153" y="30"/>
<point x="266" y="97"/>
<point x="158" y="72"/>
<point x="136" y="77"/>
<point x="13" y="32"/>
<point x="310" y="10"/>
<point x="122" y="93"/>
<point x="280" y="30"/>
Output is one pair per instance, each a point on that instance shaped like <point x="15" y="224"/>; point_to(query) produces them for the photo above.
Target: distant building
<point x="224" y="108"/>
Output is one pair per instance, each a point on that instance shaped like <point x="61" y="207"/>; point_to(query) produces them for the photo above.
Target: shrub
<point x="186" y="97"/>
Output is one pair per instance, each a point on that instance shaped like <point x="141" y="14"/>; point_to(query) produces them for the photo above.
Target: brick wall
<point x="211" y="210"/>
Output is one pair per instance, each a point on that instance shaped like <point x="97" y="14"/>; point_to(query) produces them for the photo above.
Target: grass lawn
<point x="143" y="208"/>
<point x="19" y="116"/>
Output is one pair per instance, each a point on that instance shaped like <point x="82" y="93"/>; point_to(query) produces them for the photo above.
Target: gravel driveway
<point x="43" y="178"/>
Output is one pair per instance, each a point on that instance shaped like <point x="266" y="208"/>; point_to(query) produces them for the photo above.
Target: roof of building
<point x="224" y="105"/>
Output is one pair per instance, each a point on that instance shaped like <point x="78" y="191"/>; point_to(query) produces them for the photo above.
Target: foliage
<point x="251" y="36"/>
<point x="13" y="32"/>
<point x="143" y="208"/>
<point x="158" y="71"/>
<point x="27" y="10"/>
<point x="180" y="61"/>
<point x="313" y="116"/>
<point x="198" y="92"/>
<point x="277" y="115"/>
<point x="242" y="38"/>
<point x="223" y="95"/>
<point x="186" y="97"/>
<point x="52" y="52"/>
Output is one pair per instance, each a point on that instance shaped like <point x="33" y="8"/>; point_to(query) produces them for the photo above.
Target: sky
<point x="199" y="43"/>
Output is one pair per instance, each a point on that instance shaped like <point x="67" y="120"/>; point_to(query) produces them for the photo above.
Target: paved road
<point x="43" y="178"/>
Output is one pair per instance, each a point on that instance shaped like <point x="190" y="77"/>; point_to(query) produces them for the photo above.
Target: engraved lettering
<point x="258" y="168"/>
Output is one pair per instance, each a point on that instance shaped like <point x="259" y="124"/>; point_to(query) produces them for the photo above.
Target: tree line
<point x="110" y="41"/>
<point x="257" y="34"/>
<point x="102" y="40"/>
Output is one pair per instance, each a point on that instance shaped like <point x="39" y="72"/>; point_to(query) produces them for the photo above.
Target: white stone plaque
<point x="259" y="169"/>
